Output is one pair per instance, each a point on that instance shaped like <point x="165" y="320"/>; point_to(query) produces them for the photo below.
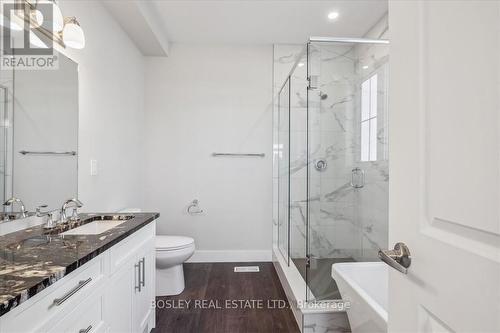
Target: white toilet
<point x="171" y="252"/>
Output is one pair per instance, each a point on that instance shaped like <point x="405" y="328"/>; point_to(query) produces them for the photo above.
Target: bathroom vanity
<point x="60" y="271"/>
<point x="97" y="275"/>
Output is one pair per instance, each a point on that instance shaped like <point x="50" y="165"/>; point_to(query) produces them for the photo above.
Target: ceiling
<point x="264" y="21"/>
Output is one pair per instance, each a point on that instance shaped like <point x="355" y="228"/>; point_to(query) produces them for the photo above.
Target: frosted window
<point x="369" y="119"/>
<point x="373" y="139"/>
<point x="365" y="100"/>
<point x="365" y="141"/>
<point x="373" y="96"/>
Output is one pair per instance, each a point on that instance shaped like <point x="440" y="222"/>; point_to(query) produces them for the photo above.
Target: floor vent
<point x="246" y="269"/>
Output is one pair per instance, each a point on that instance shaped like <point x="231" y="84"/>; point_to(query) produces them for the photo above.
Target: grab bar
<point x="27" y="152"/>
<point x="239" y="154"/>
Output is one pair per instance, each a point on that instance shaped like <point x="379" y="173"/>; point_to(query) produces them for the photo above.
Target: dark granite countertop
<point x="33" y="259"/>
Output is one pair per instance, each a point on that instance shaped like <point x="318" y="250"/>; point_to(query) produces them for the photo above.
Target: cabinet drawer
<point x="127" y="249"/>
<point x="55" y="301"/>
<point x="85" y="318"/>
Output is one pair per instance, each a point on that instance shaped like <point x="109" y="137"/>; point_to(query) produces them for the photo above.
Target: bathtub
<point x="365" y="286"/>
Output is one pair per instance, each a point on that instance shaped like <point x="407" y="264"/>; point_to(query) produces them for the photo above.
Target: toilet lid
<point x="164" y="243"/>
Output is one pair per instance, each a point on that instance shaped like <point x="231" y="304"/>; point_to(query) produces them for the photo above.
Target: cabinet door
<point x="119" y="298"/>
<point x="143" y="298"/>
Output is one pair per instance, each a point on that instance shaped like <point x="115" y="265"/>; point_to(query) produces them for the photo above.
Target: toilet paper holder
<point x="194" y="208"/>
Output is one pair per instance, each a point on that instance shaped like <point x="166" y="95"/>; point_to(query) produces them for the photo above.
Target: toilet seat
<point x="170" y="243"/>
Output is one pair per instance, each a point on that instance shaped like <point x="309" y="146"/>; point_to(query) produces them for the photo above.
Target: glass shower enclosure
<point x="332" y="159"/>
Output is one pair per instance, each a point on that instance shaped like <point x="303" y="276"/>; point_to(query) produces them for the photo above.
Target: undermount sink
<point x="6" y="227"/>
<point x="99" y="224"/>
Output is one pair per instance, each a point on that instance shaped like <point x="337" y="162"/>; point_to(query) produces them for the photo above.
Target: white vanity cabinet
<point x="131" y="292"/>
<point x="113" y="292"/>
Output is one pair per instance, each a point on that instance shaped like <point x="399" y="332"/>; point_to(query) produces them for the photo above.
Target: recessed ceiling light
<point x="333" y="15"/>
<point x="300" y="64"/>
<point x="365" y="67"/>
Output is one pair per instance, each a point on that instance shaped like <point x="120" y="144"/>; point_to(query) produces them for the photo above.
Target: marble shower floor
<point x="320" y="282"/>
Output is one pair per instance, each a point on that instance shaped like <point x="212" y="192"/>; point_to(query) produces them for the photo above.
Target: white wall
<point x="204" y="99"/>
<point x="111" y="91"/>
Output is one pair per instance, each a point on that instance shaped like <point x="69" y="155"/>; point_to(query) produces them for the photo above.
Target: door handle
<point x="399" y="258"/>
<point x="85" y="330"/>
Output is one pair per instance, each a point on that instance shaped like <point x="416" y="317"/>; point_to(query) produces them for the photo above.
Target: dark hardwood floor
<point x="217" y="299"/>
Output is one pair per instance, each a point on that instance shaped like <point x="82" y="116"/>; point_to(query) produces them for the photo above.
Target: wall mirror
<point x="39" y="135"/>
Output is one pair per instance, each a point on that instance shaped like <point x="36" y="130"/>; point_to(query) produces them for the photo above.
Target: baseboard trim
<point x="231" y="256"/>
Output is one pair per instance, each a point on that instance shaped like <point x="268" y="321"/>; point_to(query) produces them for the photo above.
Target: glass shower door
<point x="333" y="236"/>
<point x="347" y="163"/>
<point x="283" y="148"/>
<point x="298" y="164"/>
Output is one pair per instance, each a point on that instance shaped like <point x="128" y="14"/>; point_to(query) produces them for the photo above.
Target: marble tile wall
<point x="353" y="220"/>
<point x="332" y="137"/>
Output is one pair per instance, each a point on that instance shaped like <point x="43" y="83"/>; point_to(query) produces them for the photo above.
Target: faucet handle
<point x="50" y="224"/>
<point x="39" y="209"/>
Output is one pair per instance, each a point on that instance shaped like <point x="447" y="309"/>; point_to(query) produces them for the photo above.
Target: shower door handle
<point x="357" y="178"/>
<point x="399" y="258"/>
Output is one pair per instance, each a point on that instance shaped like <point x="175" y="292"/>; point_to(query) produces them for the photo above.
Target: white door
<point x="445" y="168"/>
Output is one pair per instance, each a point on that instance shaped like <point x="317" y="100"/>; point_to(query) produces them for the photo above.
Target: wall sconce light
<point x="72" y="34"/>
<point x="66" y="31"/>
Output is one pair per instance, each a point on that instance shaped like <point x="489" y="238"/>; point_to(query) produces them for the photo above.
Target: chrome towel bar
<point x="26" y="152"/>
<point x="239" y="154"/>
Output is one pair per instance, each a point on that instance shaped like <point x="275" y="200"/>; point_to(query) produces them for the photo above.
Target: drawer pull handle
<point x="143" y="261"/>
<point x="81" y="284"/>
<point x="85" y="330"/>
<point x="138" y="281"/>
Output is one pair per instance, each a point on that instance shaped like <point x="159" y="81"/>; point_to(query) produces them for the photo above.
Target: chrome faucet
<point x="11" y="203"/>
<point x="67" y="204"/>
